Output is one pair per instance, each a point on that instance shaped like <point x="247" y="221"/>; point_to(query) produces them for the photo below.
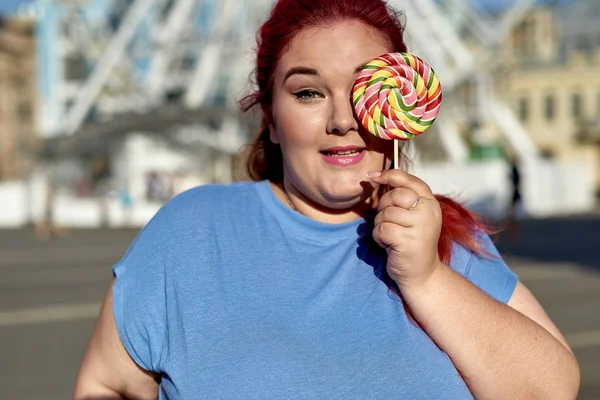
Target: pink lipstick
<point x="343" y="155"/>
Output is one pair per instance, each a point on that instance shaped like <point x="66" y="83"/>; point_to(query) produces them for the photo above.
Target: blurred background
<point x="108" y="108"/>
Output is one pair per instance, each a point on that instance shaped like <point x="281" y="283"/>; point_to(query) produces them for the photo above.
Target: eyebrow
<point x="312" y="71"/>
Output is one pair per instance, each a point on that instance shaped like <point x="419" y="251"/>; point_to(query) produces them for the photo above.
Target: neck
<point x="295" y="201"/>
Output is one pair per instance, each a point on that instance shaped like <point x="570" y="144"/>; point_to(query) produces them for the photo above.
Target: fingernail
<point x="375" y="174"/>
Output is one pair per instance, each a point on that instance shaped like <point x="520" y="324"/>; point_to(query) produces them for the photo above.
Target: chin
<point x="346" y="190"/>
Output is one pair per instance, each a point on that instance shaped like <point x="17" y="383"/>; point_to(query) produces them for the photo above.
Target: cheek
<point x="385" y="147"/>
<point x="299" y="125"/>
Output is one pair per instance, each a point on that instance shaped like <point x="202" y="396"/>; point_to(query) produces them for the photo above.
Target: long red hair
<point x="287" y="19"/>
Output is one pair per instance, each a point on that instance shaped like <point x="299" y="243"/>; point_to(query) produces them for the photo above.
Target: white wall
<point x="549" y="189"/>
<point x="142" y="154"/>
<point x="483" y="187"/>
<point x="13" y="204"/>
<point x="559" y="187"/>
<point x="24" y="201"/>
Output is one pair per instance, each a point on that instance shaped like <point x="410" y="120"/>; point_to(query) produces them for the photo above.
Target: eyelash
<point x="307" y="95"/>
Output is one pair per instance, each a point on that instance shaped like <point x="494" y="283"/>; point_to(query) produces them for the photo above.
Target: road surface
<point x="50" y="293"/>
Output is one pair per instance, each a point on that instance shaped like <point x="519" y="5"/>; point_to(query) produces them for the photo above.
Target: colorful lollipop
<point x="397" y="96"/>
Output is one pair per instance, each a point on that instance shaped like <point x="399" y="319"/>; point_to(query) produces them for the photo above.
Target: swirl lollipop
<point x="397" y="96"/>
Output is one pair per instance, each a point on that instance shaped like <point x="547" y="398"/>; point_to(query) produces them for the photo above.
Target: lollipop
<point x="397" y="96"/>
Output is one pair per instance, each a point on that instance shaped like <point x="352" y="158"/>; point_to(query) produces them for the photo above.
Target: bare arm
<point x="107" y="371"/>
<point x="502" y="352"/>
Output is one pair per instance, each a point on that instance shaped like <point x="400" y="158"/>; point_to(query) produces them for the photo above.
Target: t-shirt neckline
<point x="302" y="224"/>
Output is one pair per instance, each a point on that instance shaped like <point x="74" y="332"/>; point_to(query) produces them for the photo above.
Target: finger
<point x="396" y="215"/>
<point x="388" y="234"/>
<point x="397" y="178"/>
<point x="399" y="197"/>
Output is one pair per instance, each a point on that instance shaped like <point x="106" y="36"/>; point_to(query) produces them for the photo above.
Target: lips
<point x="342" y="151"/>
<point x="343" y="156"/>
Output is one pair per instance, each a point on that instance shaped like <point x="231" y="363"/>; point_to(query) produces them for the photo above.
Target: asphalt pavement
<point x="50" y="293"/>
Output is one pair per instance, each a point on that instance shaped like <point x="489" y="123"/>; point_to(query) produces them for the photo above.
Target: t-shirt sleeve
<point x="139" y="295"/>
<point x="488" y="271"/>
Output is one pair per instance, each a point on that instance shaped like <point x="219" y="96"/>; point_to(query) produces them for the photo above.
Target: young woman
<point x="314" y="282"/>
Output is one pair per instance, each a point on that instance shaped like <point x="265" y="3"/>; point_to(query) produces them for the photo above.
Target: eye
<point x="307" y="95"/>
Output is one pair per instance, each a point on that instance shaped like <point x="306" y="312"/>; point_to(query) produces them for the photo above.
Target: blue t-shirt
<point x="229" y="294"/>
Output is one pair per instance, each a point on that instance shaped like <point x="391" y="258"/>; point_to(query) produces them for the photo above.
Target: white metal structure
<point x="436" y="31"/>
<point x="165" y="75"/>
<point x="200" y="50"/>
<point x="192" y="56"/>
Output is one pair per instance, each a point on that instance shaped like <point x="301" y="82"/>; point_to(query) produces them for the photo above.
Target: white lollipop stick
<point x="396" y="155"/>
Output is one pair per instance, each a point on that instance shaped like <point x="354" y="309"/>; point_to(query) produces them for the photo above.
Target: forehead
<point x="336" y="49"/>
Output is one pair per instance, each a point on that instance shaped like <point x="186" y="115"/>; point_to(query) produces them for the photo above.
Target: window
<point x="550" y="107"/>
<point x="530" y="44"/>
<point x="25" y="113"/>
<point x="524" y="40"/>
<point x="519" y="40"/>
<point x="576" y="105"/>
<point x="523" y="109"/>
<point x="19" y="82"/>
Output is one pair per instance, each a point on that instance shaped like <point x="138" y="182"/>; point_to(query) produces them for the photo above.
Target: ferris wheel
<point x="143" y="56"/>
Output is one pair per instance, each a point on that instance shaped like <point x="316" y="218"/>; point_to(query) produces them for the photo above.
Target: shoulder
<point x="486" y="270"/>
<point x="197" y="212"/>
<point x="462" y="258"/>
<point x="206" y="195"/>
<point x="206" y="201"/>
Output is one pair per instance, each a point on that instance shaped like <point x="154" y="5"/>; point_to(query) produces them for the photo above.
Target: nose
<point x="343" y="119"/>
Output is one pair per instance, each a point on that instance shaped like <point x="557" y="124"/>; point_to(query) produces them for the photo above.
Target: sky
<point x="495" y="5"/>
<point x="10" y="6"/>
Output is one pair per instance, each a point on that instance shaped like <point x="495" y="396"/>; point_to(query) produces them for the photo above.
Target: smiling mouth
<point x="344" y="153"/>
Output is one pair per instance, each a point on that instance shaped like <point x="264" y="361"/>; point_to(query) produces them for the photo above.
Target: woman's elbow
<point x="573" y="380"/>
<point x="94" y="391"/>
<point x="565" y="383"/>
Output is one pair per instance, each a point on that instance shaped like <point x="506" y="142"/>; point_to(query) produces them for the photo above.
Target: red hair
<point x="290" y="17"/>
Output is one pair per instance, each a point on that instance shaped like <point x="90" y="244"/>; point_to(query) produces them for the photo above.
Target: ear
<point x="269" y="118"/>
<point x="273" y="134"/>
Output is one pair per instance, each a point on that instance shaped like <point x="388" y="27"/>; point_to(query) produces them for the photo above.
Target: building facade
<point x="18" y="138"/>
<point x="553" y="80"/>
